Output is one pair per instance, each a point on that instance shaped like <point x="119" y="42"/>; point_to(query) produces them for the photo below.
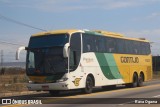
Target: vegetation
<point x="11" y="70"/>
<point x="13" y="79"/>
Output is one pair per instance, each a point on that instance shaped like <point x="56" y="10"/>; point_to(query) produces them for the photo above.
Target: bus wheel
<point x="54" y="92"/>
<point x="140" y="80"/>
<point x="89" y="85"/>
<point x="135" y="81"/>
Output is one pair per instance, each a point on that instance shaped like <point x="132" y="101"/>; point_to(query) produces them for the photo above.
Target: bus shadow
<point x="95" y="90"/>
<point x="70" y="93"/>
<point x="80" y="92"/>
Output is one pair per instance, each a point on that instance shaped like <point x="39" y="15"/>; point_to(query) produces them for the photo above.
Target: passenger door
<point x="74" y="60"/>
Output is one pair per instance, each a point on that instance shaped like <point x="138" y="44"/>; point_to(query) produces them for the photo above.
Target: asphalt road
<point x="119" y="96"/>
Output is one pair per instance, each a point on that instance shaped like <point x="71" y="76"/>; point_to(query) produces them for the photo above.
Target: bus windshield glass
<point x="48" y="40"/>
<point x="47" y="57"/>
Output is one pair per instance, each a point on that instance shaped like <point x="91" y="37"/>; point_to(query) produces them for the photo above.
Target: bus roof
<point x="94" y="32"/>
<point x="108" y="33"/>
<point x="70" y="31"/>
<point x="118" y="35"/>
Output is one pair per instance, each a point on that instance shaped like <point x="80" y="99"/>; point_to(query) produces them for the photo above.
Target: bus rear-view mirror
<point x="19" y="51"/>
<point x="65" y="50"/>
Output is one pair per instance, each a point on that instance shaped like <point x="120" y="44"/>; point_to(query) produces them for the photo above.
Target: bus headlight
<point x="62" y="80"/>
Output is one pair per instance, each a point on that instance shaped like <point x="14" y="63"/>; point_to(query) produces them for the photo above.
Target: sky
<point x="133" y="18"/>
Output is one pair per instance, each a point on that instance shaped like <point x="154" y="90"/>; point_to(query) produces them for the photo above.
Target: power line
<point x="20" y="23"/>
<point x="9" y="43"/>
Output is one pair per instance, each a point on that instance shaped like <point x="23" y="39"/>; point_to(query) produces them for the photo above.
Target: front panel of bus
<point x="45" y="62"/>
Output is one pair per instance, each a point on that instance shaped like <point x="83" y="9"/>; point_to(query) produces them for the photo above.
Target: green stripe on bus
<point x="104" y="66"/>
<point x="108" y="65"/>
<point x="112" y="65"/>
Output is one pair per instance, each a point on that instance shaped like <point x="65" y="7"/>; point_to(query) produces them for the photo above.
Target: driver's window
<point x="31" y="60"/>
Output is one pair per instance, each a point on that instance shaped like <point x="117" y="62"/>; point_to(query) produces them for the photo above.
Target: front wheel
<point x="89" y="85"/>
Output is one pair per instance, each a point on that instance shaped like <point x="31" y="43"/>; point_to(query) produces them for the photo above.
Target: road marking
<point x="156" y="96"/>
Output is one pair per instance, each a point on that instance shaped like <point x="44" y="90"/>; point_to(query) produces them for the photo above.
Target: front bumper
<point x="47" y="86"/>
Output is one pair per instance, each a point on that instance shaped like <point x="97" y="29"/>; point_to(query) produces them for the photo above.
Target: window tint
<point x="75" y="42"/>
<point x="145" y="48"/>
<point x="121" y="46"/>
<point x="100" y="44"/>
<point x="111" y="45"/>
<point x="48" y="40"/>
<point x="89" y="43"/>
<point x="136" y="47"/>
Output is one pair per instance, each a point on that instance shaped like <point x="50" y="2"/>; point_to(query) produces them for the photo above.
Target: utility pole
<point x="2" y="58"/>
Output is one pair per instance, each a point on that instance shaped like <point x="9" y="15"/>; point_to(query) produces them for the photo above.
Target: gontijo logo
<point x="129" y="59"/>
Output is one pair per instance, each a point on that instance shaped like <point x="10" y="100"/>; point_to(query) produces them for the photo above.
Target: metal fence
<point x="156" y="64"/>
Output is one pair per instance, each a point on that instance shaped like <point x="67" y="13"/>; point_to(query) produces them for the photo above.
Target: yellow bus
<point x="82" y="59"/>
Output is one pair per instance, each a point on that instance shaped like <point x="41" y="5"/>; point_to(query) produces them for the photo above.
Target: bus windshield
<point x="48" y="40"/>
<point x="47" y="57"/>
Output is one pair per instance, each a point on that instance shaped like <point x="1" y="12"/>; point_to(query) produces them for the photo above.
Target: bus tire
<point x="135" y="81"/>
<point x="89" y="85"/>
<point x="54" y="92"/>
<point x="140" y="80"/>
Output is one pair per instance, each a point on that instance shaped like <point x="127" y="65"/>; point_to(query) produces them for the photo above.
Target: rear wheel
<point x="54" y="92"/>
<point x="140" y="80"/>
<point x="89" y="85"/>
<point x="134" y="82"/>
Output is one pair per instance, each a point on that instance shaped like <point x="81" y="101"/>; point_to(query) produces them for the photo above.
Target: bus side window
<point x="101" y="44"/>
<point x="135" y="47"/>
<point x="87" y="43"/>
<point x="145" y="48"/>
<point x="111" y="45"/>
<point x="148" y="51"/>
<point x="120" y="46"/>
<point x="143" y="51"/>
<point x="129" y="46"/>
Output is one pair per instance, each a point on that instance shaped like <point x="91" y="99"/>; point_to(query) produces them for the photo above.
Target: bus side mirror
<point x="19" y="50"/>
<point x="65" y="50"/>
